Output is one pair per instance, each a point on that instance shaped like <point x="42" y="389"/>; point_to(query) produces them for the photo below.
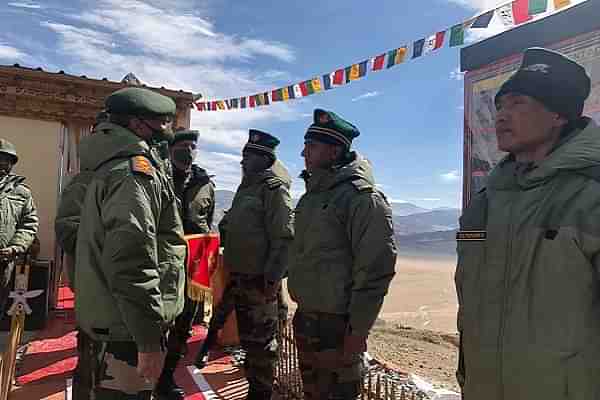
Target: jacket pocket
<point x="171" y="281"/>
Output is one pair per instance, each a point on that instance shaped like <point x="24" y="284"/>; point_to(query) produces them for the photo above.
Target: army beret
<point x="262" y="142"/>
<point x="139" y="101"/>
<point x="185" y="134"/>
<point x="328" y="127"/>
<point x="558" y="82"/>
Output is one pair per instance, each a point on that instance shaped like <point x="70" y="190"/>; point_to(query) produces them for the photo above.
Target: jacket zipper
<point x="507" y="269"/>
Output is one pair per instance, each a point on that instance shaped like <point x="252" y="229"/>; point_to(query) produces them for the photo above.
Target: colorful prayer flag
<point x="378" y="62"/>
<point x="234" y="103"/>
<point x="316" y="84"/>
<point x="252" y="101"/>
<point x="309" y="87"/>
<point x="418" y="48"/>
<point x="285" y="96"/>
<point x="221" y="105"/>
<point x="537" y="6"/>
<point x="558" y="4"/>
<point x="434" y="42"/>
<point x="362" y="68"/>
<point x="338" y="77"/>
<point x="291" y="92"/>
<point x="400" y="55"/>
<point x="391" y="58"/>
<point x="505" y="15"/>
<point x="298" y="91"/>
<point x="354" y="72"/>
<point x="266" y="98"/>
<point x="327" y="81"/>
<point x="521" y="11"/>
<point x="228" y="104"/>
<point x="457" y="35"/>
<point x="276" y="95"/>
<point x="200" y="106"/>
<point x="213" y="106"/>
<point x="483" y="21"/>
<point x="304" y="89"/>
<point x="243" y="102"/>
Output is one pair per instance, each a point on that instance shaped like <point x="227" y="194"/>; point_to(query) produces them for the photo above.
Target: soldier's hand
<point x="271" y="289"/>
<point x="354" y="345"/>
<point x="8" y="253"/>
<point x="150" y="365"/>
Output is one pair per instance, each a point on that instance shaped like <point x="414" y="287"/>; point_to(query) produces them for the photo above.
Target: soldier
<point x="256" y="233"/>
<point x="130" y="249"/>
<point x="19" y="218"/>
<point x="341" y="262"/>
<point x="66" y="224"/>
<point x="196" y="194"/>
<point x="529" y="244"/>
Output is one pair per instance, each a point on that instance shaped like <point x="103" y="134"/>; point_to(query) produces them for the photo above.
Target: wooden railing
<point x="379" y="383"/>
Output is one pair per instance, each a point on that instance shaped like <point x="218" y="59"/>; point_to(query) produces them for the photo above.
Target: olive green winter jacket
<point x="196" y="194"/>
<point x="527" y="280"/>
<point x="343" y="256"/>
<point x="18" y="215"/>
<point x="130" y="249"/>
<point x="258" y="228"/>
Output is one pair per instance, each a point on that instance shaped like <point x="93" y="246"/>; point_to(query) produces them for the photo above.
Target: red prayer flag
<point x="378" y="62"/>
<point x="202" y="259"/>
<point x="439" y="39"/>
<point x="303" y="89"/>
<point x="252" y="101"/>
<point x="521" y="11"/>
<point x="338" y="77"/>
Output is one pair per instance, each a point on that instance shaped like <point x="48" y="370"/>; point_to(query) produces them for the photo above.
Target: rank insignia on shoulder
<point x="471" y="235"/>
<point x="141" y="165"/>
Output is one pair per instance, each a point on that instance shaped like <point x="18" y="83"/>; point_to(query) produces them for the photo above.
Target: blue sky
<point x="410" y="116"/>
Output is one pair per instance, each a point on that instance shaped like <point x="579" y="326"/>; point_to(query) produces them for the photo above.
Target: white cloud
<point x="457" y="75"/>
<point x="164" y="46"/>
<point x="367" y="95"/>
<point x="451" y="176"/>
<point x="32" y="6"/>
<point x="10" y="53"/>
<point x="478" y="4"/>
<point x="428" y="199"/>
<point x="181" y="36"/>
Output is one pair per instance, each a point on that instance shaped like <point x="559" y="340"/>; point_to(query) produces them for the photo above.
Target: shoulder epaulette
<point x="141" y="165"/>
<point x="362" y="185"/>
<point x="274" y="182"/>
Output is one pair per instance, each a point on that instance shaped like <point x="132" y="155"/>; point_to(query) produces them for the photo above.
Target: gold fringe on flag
<point x="202" y="294"/>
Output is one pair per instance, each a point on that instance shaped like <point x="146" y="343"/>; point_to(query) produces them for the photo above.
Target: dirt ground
<point x="417" y="327"/>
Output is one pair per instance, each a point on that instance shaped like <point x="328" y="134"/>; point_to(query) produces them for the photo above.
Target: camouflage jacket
<point x="130" y="249"/>
<point x="18" y="215"/>
<point x="343" y="256"/>
<point x="258" y="228"/>
<point x="196" y="195"/>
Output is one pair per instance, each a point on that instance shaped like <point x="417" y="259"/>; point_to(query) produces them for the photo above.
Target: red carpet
<point x="51" y="358"/>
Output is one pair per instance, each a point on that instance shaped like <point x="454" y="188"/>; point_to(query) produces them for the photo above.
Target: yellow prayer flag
<point x="558" y="4"/>
<point x="316" y="84"/>
<point x="354" y="72"/>
<point x="221" y="105"/>
<point x="400" y="55"/>
<point x="285" y="96"/>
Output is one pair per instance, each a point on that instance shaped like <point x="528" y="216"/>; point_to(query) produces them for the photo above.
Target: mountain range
<point x="417" y="229"/>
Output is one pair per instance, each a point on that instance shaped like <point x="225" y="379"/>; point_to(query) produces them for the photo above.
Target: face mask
<point x="159" y="135"/>
<point x="184" y="156"/>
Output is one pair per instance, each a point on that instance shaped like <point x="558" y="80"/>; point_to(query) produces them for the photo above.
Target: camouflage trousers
<point x="257" y="327"/>
<point x="326" y="373"/>
<point x="179" y="335"/>
<point x="107" y="371"/>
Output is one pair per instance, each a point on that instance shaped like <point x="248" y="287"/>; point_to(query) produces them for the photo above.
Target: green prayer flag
<point x="457" y="35"/>
<point x="537" y="6"/>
